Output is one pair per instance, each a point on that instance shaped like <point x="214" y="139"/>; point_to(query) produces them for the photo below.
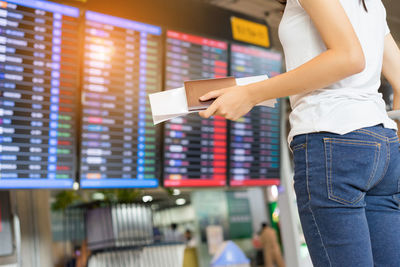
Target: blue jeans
<point x="348" y="196"/>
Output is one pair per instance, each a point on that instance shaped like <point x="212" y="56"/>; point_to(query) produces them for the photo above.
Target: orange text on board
<point x="250" y="32"/>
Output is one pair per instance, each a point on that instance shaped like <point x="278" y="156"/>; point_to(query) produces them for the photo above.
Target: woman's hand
<point x="231" y="103"/>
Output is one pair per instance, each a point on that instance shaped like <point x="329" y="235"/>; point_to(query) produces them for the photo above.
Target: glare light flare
<point x="93" y="71"/>
<point x="100" y="41"/>
<point x="99" y="55"/>
<point x="97" y="64"/>
<point x="99" y="50"/>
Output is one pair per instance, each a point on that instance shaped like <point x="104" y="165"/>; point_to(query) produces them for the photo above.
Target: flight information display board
<point x="255" y="138"/>
<point x="39" y="87"/>
<point x="122" y="65"/>
<point x="195" y="149"/>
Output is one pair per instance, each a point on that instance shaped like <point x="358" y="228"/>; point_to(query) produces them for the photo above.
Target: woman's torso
<point x="351" y="103"/>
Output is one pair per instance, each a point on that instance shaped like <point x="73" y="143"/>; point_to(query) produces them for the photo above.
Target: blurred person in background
<point x="270" y="246"/>
<point x="258" y="248"/>
<point x="173" y="234"/>
<point x="190" y="239"/>
<point x="157" y="235"/>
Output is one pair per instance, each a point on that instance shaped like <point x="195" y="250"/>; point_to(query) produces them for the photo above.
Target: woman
<point x="346" y="151"/>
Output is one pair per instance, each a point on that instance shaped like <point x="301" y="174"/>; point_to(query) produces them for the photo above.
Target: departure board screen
<point x="122" y="65"/>
<point x="255" y="138"/>
<point x="39" y="86"/>
<point x="195" y="149"/>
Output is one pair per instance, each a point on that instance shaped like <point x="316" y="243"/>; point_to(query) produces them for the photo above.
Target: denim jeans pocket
<point x="300" y="178"/>
<point x="299" y="156"/>
<point x="350" y="168"/>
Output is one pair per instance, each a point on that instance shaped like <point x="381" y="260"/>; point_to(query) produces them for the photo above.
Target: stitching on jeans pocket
<point x="344" y="171"/>
<point x="370" y="133"/>
<point x="300" y="146"/>
<point x="300" y="164"/>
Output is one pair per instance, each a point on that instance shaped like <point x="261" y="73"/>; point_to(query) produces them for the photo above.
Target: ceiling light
<point x="147" y="199"/>
<point x="75" y="186"/>
<point x="274" y="192"/>
<point x="180" y="201"/>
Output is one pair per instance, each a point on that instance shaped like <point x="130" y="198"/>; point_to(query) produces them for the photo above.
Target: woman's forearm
<point x="325" y="69"/>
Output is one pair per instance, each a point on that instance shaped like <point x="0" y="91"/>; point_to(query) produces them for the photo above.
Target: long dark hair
<point x="283" y="2"/>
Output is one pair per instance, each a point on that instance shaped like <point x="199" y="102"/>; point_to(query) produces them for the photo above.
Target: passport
<point x="197" y="88"/>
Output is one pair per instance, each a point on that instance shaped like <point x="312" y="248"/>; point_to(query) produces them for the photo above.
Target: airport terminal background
<point x="86" y="179"/>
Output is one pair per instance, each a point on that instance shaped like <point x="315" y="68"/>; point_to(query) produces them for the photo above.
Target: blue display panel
<point x="38" y="88"/>
<point x="195" y="149"/>
<point x="255" y="138"/>
<point x="122" y="65"/>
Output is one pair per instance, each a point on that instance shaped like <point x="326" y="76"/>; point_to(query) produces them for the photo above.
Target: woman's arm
<point x="344" y="57"/>
<point x="391" y="69"/>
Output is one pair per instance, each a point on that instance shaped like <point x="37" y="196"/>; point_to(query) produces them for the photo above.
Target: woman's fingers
<point x="209" y="111"/>
<point x="212" y="94"/>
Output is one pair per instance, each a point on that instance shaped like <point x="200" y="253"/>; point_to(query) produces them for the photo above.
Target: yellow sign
<point x="250" y="32"/>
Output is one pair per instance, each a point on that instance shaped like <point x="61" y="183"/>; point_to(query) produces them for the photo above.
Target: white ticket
<point x="172" y="103"/>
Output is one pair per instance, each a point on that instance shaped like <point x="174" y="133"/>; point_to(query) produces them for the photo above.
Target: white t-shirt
<point x="349" y="104"/>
